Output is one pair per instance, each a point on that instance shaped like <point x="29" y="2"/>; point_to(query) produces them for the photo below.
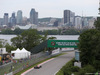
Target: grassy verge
<point x="19" y="73"/>
<point x="68" y="68"/>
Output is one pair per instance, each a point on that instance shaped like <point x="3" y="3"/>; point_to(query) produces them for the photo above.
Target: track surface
<point x="51" y="67"/>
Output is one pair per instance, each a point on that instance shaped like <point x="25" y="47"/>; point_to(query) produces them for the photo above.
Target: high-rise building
<point x="6" y="18"/>
<point x="36" y="18"/>
<point x="33" y="17"/>
<point x="24" y="22"/>
<point x="1" y="21"/>
<point x="69" y="18"/>
<point x="78" y="22"/>
<point x="19" y="17"/>
<point x="72" y="18"/>
<point x="91" y="23"/>
<point x="66" y="16"/>
<point x="13" y="19"/>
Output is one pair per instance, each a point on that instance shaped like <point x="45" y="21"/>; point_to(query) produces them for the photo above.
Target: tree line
<point x="50" y="32"/>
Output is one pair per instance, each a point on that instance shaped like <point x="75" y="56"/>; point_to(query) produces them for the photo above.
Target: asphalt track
<point x="53" y="66"/>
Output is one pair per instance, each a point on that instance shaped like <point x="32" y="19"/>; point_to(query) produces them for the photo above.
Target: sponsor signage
<point x="63" y="43"/>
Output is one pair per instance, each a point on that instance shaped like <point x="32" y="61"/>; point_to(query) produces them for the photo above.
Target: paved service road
<point x="51" y="67"/>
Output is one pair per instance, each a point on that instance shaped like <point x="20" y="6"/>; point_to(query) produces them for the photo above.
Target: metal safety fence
<point x="18" y="65"/>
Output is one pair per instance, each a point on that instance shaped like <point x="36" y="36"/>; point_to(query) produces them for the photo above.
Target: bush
<point x="68" y="69"/>
<point x="96" y="64"/>
<point x="86" y="69"/>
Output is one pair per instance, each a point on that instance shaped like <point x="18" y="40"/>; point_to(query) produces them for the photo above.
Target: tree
<point x="9" y="48"/>
<point x="28" y="39"/>
<point x="88" y="42"/>
<point x="18" y="31"/>
<point x="7" y="31"/>
<point x="97" y="23"/>
<point x="17" y="41"/>
<point x="3" y="43"/>
<point x="89" y="45"/>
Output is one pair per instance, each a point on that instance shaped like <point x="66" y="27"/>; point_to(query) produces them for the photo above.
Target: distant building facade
<point x="78" y="22"/>
<point x="91" y="23"/>
<point x="5" y="18"/>
<point x="13" y="19"/>
<point x="24" y="21"/>
<point x="33" y="16"/>
<point x="56" y="23"/>
<point x="69" y="18"/>
<point x="19" y="17"/>
<point x="66" y="16"/>
<point x="1" y="21"/>
<point x="72" y="18"/>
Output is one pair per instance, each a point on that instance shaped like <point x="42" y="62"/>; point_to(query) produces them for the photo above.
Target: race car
<point x="37" y="67"/>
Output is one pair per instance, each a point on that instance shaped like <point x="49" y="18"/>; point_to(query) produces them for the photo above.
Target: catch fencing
<point x="18" y="65"/>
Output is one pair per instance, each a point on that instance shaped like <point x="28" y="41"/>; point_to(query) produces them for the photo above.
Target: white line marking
<point x="56" y="72"/>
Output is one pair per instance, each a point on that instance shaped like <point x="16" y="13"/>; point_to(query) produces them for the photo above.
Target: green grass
<point x="66" y="68"/>
<point x="19" y="73"/>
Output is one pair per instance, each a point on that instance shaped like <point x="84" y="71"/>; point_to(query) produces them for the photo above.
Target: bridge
<point x="55" y="44"/>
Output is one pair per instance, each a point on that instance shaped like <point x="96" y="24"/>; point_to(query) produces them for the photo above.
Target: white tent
<point x="17" y="54"/>
<point x="25" y="53"/>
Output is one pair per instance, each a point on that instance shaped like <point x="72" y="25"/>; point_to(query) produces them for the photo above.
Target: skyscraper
<point x="69" y="18"/>
<point x="13" y="19"/>
<point x="78" y="22"/>
<point x="6" y="18"/>
<point x="36" y="18"/>
<point x="33" y="16"/>
<point x="1" y="21"/>
<point x="19" y="17"/>
<point x="72" y="18"/>
<point x="66" y="16"/>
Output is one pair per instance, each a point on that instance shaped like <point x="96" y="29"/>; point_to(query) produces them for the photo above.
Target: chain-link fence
<point x="18" y="65"/>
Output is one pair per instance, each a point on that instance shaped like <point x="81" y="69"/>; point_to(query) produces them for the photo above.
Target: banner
<point x="62" y="43"/>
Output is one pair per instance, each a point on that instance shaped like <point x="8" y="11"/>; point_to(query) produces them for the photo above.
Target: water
<point x="7" y="37"/>
<point x="59" y="37"/>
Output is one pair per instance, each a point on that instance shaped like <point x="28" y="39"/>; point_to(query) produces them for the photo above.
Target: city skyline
<point x="50" y="8"/>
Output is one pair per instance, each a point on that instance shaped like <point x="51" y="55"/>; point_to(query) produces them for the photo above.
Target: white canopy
<point x="18" y="54"/>
<point x="25" y="53"/>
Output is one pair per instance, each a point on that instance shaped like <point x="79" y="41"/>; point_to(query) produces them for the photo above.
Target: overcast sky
<point x="50" y="8"/>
